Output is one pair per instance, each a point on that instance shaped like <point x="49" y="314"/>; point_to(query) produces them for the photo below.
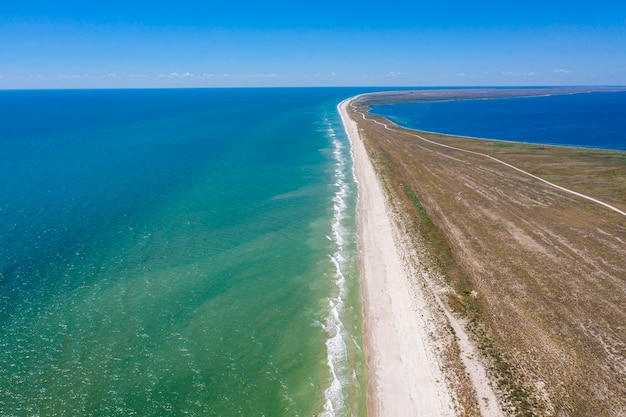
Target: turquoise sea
<point x="178" y="253"/>
<point x="590" y="120"/>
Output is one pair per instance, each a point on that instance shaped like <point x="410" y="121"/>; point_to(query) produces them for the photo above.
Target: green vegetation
<point x="439" y="248"/>
<point x="513" y="145"/>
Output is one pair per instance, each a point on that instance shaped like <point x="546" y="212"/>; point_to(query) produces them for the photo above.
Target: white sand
<point x="404" y="375"/>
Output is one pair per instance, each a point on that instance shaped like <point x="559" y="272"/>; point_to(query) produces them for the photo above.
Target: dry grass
<point x="539" y="274"/>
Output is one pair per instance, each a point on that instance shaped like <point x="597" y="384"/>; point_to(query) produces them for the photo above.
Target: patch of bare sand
<point x="402" y="316"/>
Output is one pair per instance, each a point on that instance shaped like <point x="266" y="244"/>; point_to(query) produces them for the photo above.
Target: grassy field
<point x="539" y="274"/>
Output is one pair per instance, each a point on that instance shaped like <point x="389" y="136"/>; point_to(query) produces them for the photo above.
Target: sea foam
<point x="343" y="374"/>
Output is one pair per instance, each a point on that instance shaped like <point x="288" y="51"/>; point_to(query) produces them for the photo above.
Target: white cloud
<point x="333" y="74"/>
<point x="206" y="75"/>
<point x="461" y="74"/>
<point x="74" y="77"/>
<point x="517" y="74"/>
<point x="109" y="76"/>
<point x="562" y="71"/>
<point x="177" y="75"/>
<point x="392" y="74"/>
<point x="263" y="75"/>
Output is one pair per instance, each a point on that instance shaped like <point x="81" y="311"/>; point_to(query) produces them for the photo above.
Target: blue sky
<point x="81" y="44"/>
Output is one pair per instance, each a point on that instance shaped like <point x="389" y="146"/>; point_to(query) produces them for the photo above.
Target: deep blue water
<point x="178" y="252"/>
<point x="596" y="120"/>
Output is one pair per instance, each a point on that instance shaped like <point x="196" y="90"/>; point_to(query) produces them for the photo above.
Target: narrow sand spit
<point x="405" y="376"/>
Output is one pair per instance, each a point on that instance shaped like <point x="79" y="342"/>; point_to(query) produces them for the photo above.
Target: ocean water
<point x="178" y="253"/>
<point x="593" y="120"/>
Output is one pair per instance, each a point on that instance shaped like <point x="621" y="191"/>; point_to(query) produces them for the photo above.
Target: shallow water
<point x="178" y="252"/>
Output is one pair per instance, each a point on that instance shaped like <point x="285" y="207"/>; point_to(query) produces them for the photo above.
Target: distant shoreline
<point x="469" y="95"/>
<point x="476" y="93"/>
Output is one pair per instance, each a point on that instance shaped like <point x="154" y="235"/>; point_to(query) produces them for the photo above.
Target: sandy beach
<point x="404" y="374"/>
<point x="407" y="329"/>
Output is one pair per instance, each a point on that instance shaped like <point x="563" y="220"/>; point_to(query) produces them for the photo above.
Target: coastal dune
<point x="405" y="377"/>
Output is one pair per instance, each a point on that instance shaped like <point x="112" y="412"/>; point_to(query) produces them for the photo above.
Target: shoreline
<point x="488" y="94"/>
<point x="404" y="376"/>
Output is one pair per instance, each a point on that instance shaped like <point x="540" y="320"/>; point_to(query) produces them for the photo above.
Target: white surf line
<point x="567" y="190"/>
<point x="336" y="398"/>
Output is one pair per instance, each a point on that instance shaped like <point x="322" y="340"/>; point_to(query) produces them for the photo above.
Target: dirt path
<point x="567" y="190"/>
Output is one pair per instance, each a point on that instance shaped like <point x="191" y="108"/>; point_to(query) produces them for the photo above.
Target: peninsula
<point x="493" y="273"/>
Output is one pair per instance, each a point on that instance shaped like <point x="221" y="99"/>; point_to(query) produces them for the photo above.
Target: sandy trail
<point x="404" y="375"/>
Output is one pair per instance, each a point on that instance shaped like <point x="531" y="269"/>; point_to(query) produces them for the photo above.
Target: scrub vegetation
<point x="538" y="274"/>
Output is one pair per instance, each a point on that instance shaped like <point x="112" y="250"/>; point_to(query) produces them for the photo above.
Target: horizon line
<point x="429" y="87"/>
